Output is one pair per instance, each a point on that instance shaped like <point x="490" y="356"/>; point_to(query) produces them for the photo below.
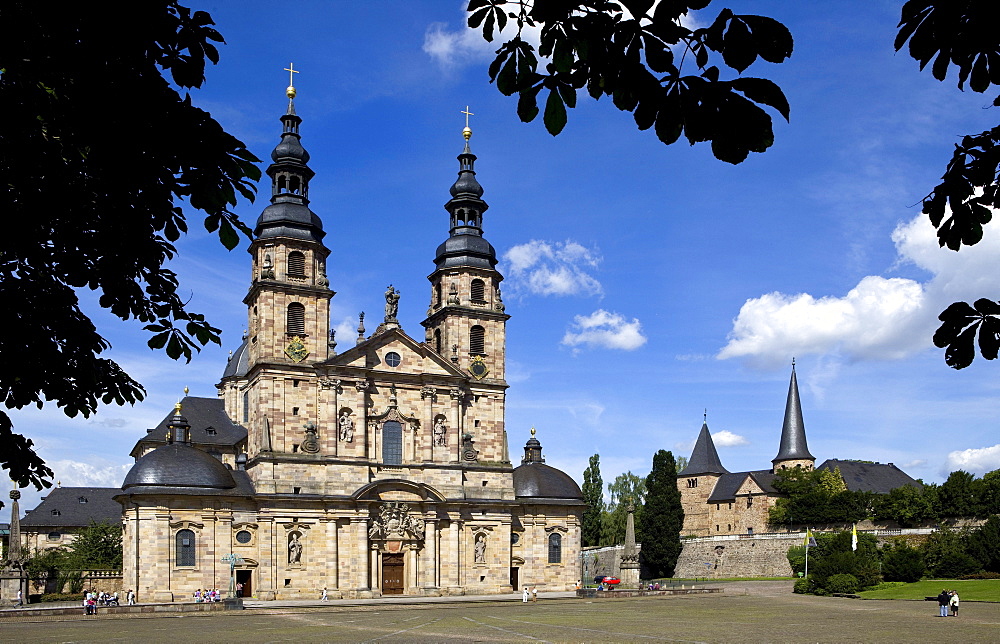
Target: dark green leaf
<point x="555" y="113"/>
<point x="761" y="90"/>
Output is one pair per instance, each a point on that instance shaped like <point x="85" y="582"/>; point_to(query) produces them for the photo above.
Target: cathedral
<point x="380" y="468"/>
<point x="718" y="502"/>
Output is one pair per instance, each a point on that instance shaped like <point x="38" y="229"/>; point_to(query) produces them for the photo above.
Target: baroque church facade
<point x="717" y="502"/>
<point x="381" y="468"/>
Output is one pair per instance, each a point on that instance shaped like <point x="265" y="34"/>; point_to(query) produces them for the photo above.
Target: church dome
<point x="538" y="480"/>
<point x="177" y="465"/>
<point x="289" y="149"/>
<point x="289" y="219"/>
<point x="466" y="250"/>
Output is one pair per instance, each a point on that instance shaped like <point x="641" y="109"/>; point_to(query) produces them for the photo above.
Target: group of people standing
<point x="531" y="594"/>
<point x="207" y="595"/>
<point x="91" y="600"/>
<point x="948" y="601"/>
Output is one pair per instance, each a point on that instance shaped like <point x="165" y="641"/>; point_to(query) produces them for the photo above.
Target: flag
<point x="854" y="537"/>
<point x="810" y="540"/>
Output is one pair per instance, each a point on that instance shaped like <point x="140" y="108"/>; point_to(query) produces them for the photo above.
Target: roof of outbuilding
<point x="75" y="507"/>
<point x="205" y="415"/>
<point x="861" y="476"/>
<point x="728" y="484"/>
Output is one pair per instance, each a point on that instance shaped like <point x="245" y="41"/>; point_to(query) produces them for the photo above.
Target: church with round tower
<point x="377" y="468"/>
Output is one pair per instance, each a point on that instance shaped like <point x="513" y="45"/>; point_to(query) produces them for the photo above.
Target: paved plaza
<point x="746" y="613"/>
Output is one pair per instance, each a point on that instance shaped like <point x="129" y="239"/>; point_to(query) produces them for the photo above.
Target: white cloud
<point x="726" y="438"/>
<point x="976" y="460"/>
<point x="879" y="319"/>
<point x="78" y="474"/>
<point x="552" y="268"/>
<point x="605" y="330"/>
<point x="466" y="46"/>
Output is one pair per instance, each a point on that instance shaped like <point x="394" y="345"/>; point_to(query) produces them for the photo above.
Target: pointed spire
<point x="289" y="214"/>
<point x="466" y="245"/>
<point x="793" y="429"/>
<point x="704" y="458"/>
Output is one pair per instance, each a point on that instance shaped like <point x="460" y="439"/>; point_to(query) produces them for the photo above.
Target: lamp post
<point x="232" y="559"/>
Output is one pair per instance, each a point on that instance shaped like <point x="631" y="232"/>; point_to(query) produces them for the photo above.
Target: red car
<point x="611" y="581"/>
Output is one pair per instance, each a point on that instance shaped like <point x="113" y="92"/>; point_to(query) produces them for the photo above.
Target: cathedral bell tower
<point x="466" y="322"/>
<point x="289" y="299"/>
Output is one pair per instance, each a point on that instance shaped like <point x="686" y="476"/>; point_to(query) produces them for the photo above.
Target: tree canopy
<point x="593" y="495"/>
<point x="662" y="518"/>
<point x="98" y="150"/>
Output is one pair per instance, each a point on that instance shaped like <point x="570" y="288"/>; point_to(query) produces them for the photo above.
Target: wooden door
<point x="392" y="574"/>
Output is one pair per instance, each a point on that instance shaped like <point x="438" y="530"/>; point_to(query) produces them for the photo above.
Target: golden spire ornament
<point x="290" y="91"/>
<point x="467" y="132"/>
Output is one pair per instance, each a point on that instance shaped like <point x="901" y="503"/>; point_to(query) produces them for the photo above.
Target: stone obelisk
<point x="630" y="557"/>
<point x="12" y="577"/>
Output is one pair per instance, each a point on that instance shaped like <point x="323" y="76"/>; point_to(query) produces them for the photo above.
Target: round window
<point x="244" y="536"/>
<point x="514" y="538"/>
<point x="55" y="536"/>
<point x="392" y="359"/>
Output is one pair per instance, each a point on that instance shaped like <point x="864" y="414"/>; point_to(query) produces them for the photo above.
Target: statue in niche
<point x="294" y="549"/>
<point x="391" y="304"/>
<point x="480" y="551"/>
<point x="346" y="427"/>
<point x="267" y="271"/>
<point x="440" y="432"/>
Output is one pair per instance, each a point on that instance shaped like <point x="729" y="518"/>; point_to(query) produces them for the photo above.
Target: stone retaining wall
<point x="737" y="558"/>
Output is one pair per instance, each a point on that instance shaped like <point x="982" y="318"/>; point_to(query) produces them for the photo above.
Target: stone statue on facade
<point x="391" y="304"/>
<point x="480" y="550"/>
<point x="267" y="270"/>
<point x="310" y="444"/>
<point x="346" y="427"/>
<point x="440" y="432"/>
<point x="294" y="549"/>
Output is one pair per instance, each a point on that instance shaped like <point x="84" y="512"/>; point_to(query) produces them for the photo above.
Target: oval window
<point x="244" y="536"/>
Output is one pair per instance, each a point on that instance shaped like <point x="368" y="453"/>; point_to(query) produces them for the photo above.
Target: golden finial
<point x="467" y="132"/>
<point x="186" y="390"/>
<point x="58" y="483"/>
<point x="290" y="92"/>
<point x="532" y="432"/>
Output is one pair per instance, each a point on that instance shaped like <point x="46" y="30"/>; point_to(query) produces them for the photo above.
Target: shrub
<point x="982" y="575"/>
<point x="842" y="583"/>
<point x="802" y="586"/>
<point x="956" y="564"/>
<point x="62" y="597"/>
<point x="903" y="563"/>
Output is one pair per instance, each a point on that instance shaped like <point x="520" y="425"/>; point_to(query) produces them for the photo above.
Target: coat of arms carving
<point x="296" y="349"/>
<point x="394" y="521"/>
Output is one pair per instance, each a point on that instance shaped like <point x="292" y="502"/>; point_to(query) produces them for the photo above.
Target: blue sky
<point x="646" y="283"/>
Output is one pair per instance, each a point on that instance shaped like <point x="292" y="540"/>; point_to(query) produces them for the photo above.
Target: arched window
<point x="477" y="340"/>
<point x="437" y="340"/>
<point x="296" y="264"/>
<point x="478" y="291"/>
<point x="555" y="548"/>
<point x="296" y="322"/>
<point x="392" y="443"/>
<point x="185" y="548"/>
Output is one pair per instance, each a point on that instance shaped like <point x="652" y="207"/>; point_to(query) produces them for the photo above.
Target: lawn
<point x="985" y="590"/>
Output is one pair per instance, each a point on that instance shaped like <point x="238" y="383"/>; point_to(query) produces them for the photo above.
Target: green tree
<point x="833" y="555"/>
<point x="989" y="494"/>
<point x="984" y="544"/>
<point x="638" y="53"/>
<point x="956" y="497"/>
<point x="901" y="562"/>
<point x="907" y="506"/>
<point x="593" y="495"/>
<point x="662" y="518"/>
<point x="626" y="487"/>
<point x="98" y="546"/>
<point x="945" y="553"/>
<point x="682" y="462"/>
<point x="98" y="150"/>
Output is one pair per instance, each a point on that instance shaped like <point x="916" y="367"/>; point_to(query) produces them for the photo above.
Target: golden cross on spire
<point x="467" y="132"/>
<point x="291" y="80"/>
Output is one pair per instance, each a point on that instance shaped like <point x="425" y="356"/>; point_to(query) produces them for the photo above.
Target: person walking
<point x="20" y="598"/>
<point x="524" y="597"/>
<point x="953" y="603"/>
<point x="944" y="599"/>
<point x="130" y="597"/>
<point x="534" y="594"/>
<point x="324" y="597"/>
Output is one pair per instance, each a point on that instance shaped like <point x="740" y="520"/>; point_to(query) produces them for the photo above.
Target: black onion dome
<point x="289" y="219"/>
<point x="239" y="363"/>
<point x="177" y="465"/>
<point x="538" y="480"/>
<point x="466" y="250"/>
<point x="290" y="149"/>
<point x="466" y="184"/>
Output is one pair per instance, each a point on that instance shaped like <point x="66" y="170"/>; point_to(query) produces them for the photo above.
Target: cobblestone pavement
<point x="768" y="615"/>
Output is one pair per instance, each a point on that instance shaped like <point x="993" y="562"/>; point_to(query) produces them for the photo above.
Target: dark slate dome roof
<point x="239" y="363"/>
<point x="289" y="149"/>
<point x="176" y="465"/>
<point x="466" y="250"/>
<point x="289" y="219"/>
<point x="538" y="480"/>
